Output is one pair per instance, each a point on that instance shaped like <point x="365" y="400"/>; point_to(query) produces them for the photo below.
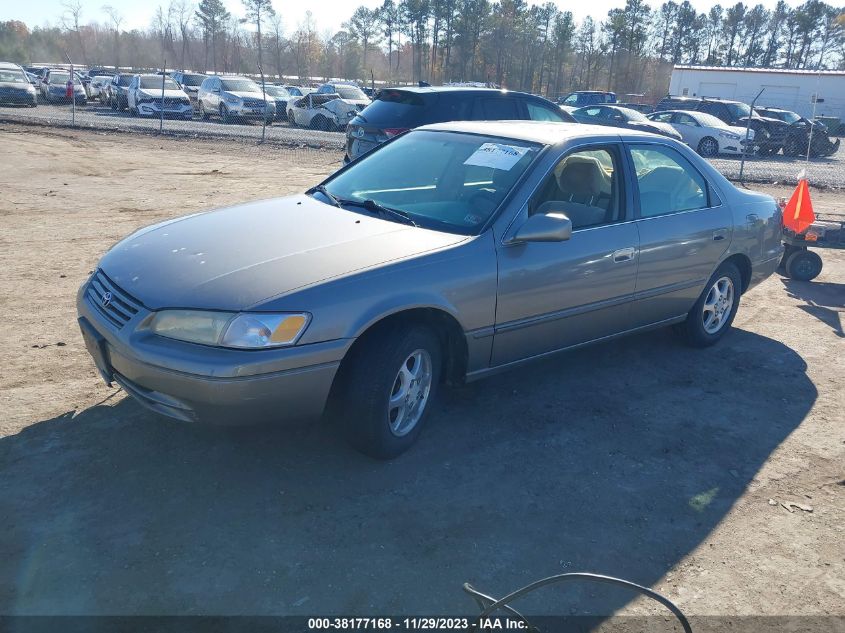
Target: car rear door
<point x="553" y="295"/>
<point x="684" y="230"/>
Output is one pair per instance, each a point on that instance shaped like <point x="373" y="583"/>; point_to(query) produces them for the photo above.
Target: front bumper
<point x="18" y="98"/>
<point x="154" y="109"/>
<point x="196" y="383"/>
<point x="249" y="112"/>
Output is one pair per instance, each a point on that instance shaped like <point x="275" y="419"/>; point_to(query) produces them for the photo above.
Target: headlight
<point x="245" y="330"/>
<point x="730" y="135"/>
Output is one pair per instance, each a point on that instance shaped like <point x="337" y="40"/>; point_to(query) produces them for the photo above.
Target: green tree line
<point x="537" y="48"/>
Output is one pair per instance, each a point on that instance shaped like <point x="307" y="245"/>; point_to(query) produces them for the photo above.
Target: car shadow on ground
<point x="823" y="300"/>
<point x="618" y="459"/>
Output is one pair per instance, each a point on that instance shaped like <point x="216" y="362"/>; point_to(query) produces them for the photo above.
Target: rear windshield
<point x="399" y="108"/>
<point x="192" y="80"/>
<point x="276" y="91"/>
<point x="350" y="92"/>
<point x="154" y="81"/>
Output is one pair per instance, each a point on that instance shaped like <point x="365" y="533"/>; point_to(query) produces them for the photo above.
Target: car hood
<point x="5" y="85"/>
<point x="238" y="257"/>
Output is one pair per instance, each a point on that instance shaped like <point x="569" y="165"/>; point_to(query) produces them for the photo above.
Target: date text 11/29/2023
<point x="423" y="623"/>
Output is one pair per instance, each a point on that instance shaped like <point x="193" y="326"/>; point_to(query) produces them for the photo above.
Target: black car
<point x="395" y="110"/>
<point x="798" y="137"/>
<point x="769" y="133"/>
<point x="118" y="99"/>
<point x="616" y="116"/>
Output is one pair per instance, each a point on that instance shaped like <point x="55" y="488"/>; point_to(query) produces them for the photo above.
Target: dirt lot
<point x="641" y="458"/>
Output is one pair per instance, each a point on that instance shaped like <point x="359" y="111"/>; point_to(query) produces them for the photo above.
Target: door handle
<point x="720" y="234"/>
<point x="623" y="255"/>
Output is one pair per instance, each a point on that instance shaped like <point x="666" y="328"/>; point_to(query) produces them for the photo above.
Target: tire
<point x="203" y="114"/>
<point x="708" y="147"/>
<point x="803" y="265"/>
<point x="382" y="367"/>
<point x="712" y="315"/>
<point x="317" y="123"/>
<point x="225" y="117"/>
<point x="291" y="120"/>
<point x="791" y="147"/>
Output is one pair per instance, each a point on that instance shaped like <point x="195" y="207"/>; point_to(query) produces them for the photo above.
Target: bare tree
<point x="116" y="20"/>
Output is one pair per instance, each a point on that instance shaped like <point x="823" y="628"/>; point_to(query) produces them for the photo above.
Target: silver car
<point x="234" y="99"/>
<point x="451" y="252"/>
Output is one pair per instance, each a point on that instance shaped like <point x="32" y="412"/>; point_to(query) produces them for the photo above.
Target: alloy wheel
<point x="718" y="305"/>
<point x="409" y="392"/>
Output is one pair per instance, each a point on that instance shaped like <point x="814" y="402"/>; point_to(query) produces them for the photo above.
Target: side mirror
<point x="544" y="227"/>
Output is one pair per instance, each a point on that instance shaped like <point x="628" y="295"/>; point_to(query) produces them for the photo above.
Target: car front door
<point x="684" y="231"/>
<point x="131" y="94"/>
<point x="553" y="295"/>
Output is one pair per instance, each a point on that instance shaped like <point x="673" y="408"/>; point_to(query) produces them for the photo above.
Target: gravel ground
<point x="823" y="172"/>
<point x="674" y="468"/>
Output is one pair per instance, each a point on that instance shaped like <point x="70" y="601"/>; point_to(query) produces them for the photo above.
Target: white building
<point x="789" y="89"/>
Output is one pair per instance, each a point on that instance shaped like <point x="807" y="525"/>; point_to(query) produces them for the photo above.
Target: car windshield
<point x="62" y="78"/>
<point x="294" y="92"/>
<point x="192" y="80"/>
<point x="738" y="110"/>
<point x="350" y="92"/>
<point x="154" y="81"/>
<point x="632" y="115"/>
<point x="240" y="85"/>
<point x="276" y="91"/>
<point x="12" y="77"/>
<point x="124" y="80"/>
<point x="446" y="181"/>
<point x="783" y="115"/>
<point x="709" y="120"/>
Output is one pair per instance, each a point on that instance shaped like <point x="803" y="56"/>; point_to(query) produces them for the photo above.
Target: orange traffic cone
<point x="798" y="214"/>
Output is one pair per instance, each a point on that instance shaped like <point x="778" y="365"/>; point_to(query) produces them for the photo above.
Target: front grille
<point x="173" y="101"/>
<point x="120" y="308"/>
<point x="253" y="103"/>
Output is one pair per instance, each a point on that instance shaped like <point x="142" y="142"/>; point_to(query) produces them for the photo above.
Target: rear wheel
<point x="225" y="116"/>
<point x="708" y="147"/>
<point x="713" y="313"/>
<point x="387" y="387"/>
<point x="803" y="265"/>
<point x="319" y="122"/>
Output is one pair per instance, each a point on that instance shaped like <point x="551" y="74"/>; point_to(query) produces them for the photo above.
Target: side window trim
<point x="634" y="184"/>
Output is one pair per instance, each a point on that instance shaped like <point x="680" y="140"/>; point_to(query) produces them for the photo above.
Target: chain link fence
<point x="824" y="171"/>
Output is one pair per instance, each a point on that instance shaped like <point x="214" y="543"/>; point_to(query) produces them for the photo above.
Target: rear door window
<point x="496" y="109"/>
<point x="666" y="181"/>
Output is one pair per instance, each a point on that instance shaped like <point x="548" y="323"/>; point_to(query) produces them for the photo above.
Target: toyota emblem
<point x="106" y="300"/>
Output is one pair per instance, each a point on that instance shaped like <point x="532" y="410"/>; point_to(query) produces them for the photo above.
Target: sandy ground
<point x="642" y="458"/>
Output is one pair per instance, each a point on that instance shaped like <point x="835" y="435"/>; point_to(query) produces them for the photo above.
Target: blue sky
<point x="329" y="14"/>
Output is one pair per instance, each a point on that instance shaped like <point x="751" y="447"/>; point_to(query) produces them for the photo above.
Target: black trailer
<point x="799" y="262"/>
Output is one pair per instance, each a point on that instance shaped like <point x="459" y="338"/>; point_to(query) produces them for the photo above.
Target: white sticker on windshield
<point x="497" y="156"/>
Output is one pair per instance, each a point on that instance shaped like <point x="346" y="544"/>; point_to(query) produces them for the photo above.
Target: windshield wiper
<point x="322" y="189"/>
<point x="372" y="205"/>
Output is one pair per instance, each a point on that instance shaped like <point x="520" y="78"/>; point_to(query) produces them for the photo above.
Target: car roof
<point x="543" y="132"/>
<point x="436" y="89"/>
<point x="9" y="66"/>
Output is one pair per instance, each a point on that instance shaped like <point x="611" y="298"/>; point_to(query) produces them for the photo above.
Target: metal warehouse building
<point x="789" y="89"/>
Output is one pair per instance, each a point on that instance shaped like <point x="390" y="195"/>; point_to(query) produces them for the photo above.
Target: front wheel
<point x="713" y="313"/>
<point x="387" y="388"/>
<point x="708" y="147"/>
